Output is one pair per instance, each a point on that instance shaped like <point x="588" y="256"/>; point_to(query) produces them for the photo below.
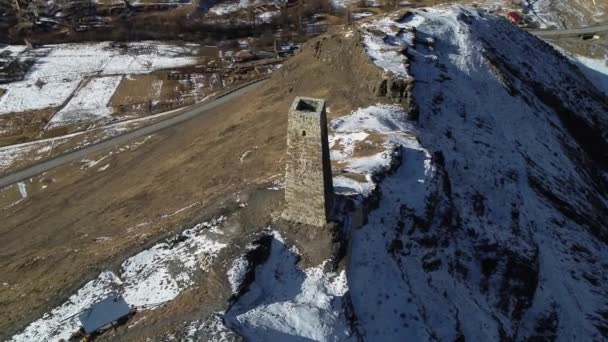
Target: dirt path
<point x="121" y="139"/>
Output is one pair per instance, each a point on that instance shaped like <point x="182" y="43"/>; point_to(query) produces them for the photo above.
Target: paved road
<point x="571" y="32"/>
<point x="196" y="110"/>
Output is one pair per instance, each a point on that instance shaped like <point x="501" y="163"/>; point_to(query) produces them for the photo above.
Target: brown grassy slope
<point x="334" y="67"/>
<point x="48" y="243"/>
<point x="17" y="128"/>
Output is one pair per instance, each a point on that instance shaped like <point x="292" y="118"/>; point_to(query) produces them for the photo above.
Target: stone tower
<point x="308" y="184"/>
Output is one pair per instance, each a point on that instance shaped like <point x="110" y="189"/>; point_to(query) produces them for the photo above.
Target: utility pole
<point x="276" y="48"/>
<point x="220" y="55"/>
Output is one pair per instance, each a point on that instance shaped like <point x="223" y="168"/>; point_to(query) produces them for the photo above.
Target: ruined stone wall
<point x="308" y="180"/>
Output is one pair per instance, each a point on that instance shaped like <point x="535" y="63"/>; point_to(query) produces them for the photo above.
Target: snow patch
<point x="103" y="168"/>
<point x="361" y="15"/>
<point x="348" y="187"/>
<point x="146" y="280"/>
<point x="89" y="104"/>
<point x="596" y="71"/>
<point x="378" y="118"/>
<point x="237" y="273"/>
<point x="285" y="301"/>
<point x="23" y="96"/>
<point x="22" y="189"/>
<point x="385" y="40"/>
<point x="244" y="155"/>
<point x="212" y="328"/>
<point x="232" y="6"/>
<point x="59" y="69"/>
<point x="62" y="321"/>
<point x="387" y="121"/>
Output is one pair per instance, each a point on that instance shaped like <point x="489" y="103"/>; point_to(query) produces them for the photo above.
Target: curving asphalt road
<point x="570" y="32"/>
<point x="194" y="111"/>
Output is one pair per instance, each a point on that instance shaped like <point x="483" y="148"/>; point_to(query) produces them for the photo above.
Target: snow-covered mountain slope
<point x="284" y="302"/>
<point x="553" y="13"/>
<point x="494" y="226"/>
<point x="510" y="240"/>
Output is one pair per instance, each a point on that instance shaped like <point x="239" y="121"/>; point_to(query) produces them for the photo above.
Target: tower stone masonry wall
<point x="308" y="179"/>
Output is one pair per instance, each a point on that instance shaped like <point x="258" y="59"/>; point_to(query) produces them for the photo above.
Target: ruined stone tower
<point x="308" y="184"/>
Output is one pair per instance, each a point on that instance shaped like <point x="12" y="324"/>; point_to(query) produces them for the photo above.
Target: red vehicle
<point x="515" y="17"/>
